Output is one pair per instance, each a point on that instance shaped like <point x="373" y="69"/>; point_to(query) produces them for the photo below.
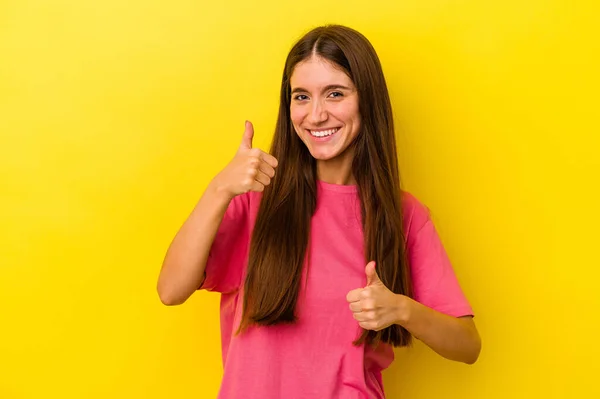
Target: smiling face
<point x="324" y="111"/>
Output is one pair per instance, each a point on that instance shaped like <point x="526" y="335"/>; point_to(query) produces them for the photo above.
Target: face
<point x="324" y="109"/>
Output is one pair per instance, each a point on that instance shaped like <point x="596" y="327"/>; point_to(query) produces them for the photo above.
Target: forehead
<point x="317" y="72"/>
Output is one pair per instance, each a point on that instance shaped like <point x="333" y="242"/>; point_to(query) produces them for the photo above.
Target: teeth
<point x="323" y="133"/>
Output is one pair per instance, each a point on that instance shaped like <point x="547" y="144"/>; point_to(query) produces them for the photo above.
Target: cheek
<point x="354" y="115"/>
<point x="347" y="112"/>
<point x="357" y="121"/>
<point x="296" y="115"/>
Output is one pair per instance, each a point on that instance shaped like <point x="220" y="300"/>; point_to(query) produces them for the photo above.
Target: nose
<point x="318" y="113"/>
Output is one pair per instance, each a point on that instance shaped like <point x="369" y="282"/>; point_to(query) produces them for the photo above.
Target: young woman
<point x="323" y="262"/>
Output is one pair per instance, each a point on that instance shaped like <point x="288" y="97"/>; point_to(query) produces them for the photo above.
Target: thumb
<point x="372" y="277"/>
<point x="247" y="138"/>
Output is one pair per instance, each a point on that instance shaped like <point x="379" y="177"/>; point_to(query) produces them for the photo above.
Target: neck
<point x="336" y="171"/>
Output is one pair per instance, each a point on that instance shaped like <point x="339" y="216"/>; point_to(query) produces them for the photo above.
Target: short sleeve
<point x="228" y="253"/>
<point x="435" y="284"/>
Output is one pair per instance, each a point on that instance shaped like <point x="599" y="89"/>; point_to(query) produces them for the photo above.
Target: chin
<point x="320" y="156"/>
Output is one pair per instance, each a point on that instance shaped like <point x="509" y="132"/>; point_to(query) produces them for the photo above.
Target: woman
<point x="323" y="262"/>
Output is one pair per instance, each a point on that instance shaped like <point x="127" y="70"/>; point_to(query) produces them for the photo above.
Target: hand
<point x="375" y="307"/>
<point x="250" y="169"/>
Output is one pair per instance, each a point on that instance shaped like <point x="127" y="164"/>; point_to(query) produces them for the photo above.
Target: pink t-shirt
<point x="315" y="358"/>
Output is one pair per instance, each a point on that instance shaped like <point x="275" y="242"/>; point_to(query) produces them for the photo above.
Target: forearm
<point x="451" y="337"/>
<point x="183" y="268"/>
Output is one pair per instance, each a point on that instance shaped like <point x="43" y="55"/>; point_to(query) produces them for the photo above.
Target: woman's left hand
<point x="375" y="307"/>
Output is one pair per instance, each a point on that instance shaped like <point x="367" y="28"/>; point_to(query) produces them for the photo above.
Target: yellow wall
<point x="115" y="114"/>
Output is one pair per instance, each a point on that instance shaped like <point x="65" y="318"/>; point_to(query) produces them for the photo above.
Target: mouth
<point x="320" y="133"/>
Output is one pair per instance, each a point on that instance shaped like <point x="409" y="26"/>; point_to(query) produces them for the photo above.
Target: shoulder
<point x="243" y="205"/>
<point x="247" y="199"/>
<point x="415" y="214"/>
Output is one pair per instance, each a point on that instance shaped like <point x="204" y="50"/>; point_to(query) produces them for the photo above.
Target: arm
<point x="455" y="338"/>
<point x="438" y="297"/>
<point x="375" y="307"/>
<point x="183" y="268"/>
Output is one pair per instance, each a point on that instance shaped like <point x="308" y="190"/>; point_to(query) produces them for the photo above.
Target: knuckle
<point x="247" y="183"/>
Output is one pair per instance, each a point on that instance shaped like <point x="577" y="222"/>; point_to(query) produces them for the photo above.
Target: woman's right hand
<point x="250" y="169"/>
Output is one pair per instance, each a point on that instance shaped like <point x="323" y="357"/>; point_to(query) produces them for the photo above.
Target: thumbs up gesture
<point x="250" y="169"/>
<point x="375" y="307"/>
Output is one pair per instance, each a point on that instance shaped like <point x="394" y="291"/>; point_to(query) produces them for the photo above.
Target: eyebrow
<point x="328" y="87"/>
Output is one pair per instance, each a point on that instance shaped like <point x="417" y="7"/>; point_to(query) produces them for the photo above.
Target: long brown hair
<point x="279" y="244"/>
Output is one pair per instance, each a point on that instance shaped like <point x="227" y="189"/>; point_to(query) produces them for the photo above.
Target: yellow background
<point x="115" y="114"/>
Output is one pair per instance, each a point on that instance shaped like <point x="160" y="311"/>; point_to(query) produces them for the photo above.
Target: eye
<point x="301" y="97"/>
<point x="336" y="94"/>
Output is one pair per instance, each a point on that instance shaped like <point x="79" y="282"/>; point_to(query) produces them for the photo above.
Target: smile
<point x="323" y="132"/>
